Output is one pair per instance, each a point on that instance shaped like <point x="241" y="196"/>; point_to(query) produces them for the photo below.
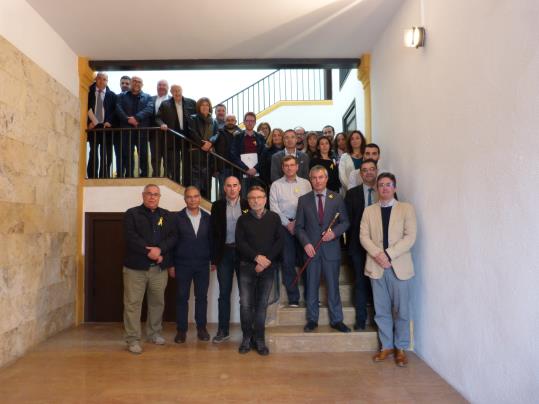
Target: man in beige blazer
<point x="388" y="232"/>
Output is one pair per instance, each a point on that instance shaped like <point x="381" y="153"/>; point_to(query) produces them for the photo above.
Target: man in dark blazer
<point x="156" y="138"/>
<point x="247" y="142"/>
<point x="224" y="215"/>
<point x="150" y="239"/>
<point x="316" y="210"/>
<point x="101" y="107"/>
<point x="175" y="113"/>
<point x="356" y="200"/>
<point x="290" y="142"/>
<point x="192" y="264"/>
<point x="134" y="109"/>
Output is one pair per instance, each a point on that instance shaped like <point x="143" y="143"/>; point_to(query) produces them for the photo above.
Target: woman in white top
<point x="351" y="160"/>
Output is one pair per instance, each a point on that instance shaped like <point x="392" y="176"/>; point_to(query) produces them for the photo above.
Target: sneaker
<point x="134" y="348"/>
<point x="293" y="305"/>
<point x="221" y="336"/>
<point x="157" y="340"/>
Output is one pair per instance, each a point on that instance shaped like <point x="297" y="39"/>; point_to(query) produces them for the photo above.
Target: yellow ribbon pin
<point x="160" y="222"/>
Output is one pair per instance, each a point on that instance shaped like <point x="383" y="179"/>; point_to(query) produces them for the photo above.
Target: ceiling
<point x="206" y="29"/>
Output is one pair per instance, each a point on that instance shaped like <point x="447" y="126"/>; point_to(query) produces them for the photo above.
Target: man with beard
<point x="222" y="148"/>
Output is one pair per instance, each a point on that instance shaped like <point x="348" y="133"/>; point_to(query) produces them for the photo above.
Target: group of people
<point x="305" y="220"/>
<point x="300" y="199"/>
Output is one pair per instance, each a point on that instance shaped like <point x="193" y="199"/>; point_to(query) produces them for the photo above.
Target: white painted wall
<point x="315" y="117"/>
<point x="21" y="25"/>
<point x="458" y="121"/>
<point x="119" y="199"/>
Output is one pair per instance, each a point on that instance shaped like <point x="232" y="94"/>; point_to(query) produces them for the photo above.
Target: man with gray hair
<point x="150" y="239"/>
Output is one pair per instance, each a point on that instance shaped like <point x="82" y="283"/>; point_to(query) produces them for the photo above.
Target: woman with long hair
<point x="274" y="143"/>
<point x="311" y="142"/>
<point x="351" y="160"/>
<point x="264" y="129"/>
<point x="324" y="157"/>
<point x="339" y="146"/>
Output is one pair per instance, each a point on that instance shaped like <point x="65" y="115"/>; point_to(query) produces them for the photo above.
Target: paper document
<point x="249" y="159"/>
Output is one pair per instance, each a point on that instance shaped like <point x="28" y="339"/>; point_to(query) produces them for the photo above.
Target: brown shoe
<point x="400" y="358"/>
<point x="382" y="355"/>
<point x="203" y="334"/>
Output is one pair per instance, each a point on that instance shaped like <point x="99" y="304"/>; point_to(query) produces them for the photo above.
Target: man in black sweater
<point x="259" y="243"/>
<point x="150" y="240"/>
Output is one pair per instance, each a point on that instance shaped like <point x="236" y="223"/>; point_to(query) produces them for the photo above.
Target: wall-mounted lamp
<point x="414" y="37"/>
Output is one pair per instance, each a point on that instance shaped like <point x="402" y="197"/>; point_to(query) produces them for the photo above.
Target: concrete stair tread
<point x="296" y="330"/>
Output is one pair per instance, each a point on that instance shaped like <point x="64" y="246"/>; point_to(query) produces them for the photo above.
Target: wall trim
<point x="364" y="75"/>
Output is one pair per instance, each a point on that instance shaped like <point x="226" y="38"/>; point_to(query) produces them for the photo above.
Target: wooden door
<point x="105" y="249"/>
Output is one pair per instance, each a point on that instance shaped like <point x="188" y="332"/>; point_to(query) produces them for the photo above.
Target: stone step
<point x="296" y="316"/>
<point x="345" y="290"/>
<point x="324" y="339"/>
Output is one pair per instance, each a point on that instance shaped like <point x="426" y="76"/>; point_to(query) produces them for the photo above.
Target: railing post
<point x="328" y="85"/>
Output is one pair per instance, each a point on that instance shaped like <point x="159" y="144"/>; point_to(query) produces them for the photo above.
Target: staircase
<point x="284" y="332"/>
<point x="281" y="85"/>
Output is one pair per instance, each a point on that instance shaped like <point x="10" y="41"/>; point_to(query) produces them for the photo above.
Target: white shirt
<point x="284" y="197"/>
<point x="195" y="220"/>
<point x="158" y="101"/>
<point x="295" y="154"/>
<point x="387" y="204"/>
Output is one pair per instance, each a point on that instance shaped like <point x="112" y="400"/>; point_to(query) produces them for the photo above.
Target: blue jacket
<point x="140" y="106"/>
<point x="191" y="248"/>
<point x="237" y="149"/>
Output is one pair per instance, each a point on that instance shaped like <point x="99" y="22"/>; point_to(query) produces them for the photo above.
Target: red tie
<point x="320" y="209"/>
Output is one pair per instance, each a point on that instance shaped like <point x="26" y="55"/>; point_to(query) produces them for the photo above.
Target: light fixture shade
<point x="414" y="37"/>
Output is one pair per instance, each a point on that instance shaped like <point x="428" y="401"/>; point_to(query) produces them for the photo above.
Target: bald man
<point x="174" y="114"/>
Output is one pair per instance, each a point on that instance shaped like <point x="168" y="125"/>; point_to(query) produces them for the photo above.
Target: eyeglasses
<point x="255" y="198"/>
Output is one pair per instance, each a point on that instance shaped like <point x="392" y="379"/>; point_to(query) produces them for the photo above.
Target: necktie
<point x="320" y="209"/>
<point x="369" y="201"/>
<point x="99" y="107"/>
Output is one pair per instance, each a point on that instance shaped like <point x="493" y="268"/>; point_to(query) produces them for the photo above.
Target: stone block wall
<point x="39" y="151"/>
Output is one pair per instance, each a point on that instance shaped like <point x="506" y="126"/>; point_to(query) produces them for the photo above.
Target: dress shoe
<point x="359" y="326"/>
<point x="382" y="355"/>
<point x="261" y="347"/>
<point x="134" y="348"/>
<point x="340" y="326"/>
<point x="245" y="345"/>
<point x="180" y="337"/>
<point x="310" y="326"/>
<point x="221" y="336"/>
<point x="203" y="334"/>
<point x="400" y="358"/>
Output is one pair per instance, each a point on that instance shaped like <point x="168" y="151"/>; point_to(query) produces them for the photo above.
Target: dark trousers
<point x="288" y="266"/>
<point x="100" y="154"/>
<point x="225" y="276"/>
<point x="199" y="274"/>
<point x="129" y="140"/>
<point x="255" y="290"/>
<point x="330" y="269"/>
<point x="362" y="288"/>
<point x="157" y="151"/>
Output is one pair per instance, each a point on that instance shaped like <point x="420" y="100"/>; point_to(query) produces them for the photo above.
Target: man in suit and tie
<point x="135" y="110"/>
<point x="192" y="264"/>
<point x="290" y="142"/>
<point x="174" y="113"/>
<point x="225" y="213"/>
<point x="316" y="210"/>
<point x="356" y="200"/>
<point x="101" y="107"/>
<point x="157" y="140"/>
<point x="388" y="232"/>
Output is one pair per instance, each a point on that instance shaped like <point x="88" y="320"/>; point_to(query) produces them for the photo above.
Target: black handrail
<point x="172" y="154"/>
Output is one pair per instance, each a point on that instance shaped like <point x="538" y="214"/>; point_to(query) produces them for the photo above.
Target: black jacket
<point x="197" y="129"/>
<point x="218" y="227"/>
<point x="109" y="105"/>
<point x="168" y="115"/>
<point x="222" y="145"/>
<point x="355" y="205"/>
<point x="139" y="234"/>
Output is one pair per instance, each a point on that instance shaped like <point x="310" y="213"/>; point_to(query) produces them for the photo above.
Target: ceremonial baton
<point x="315" y="249"/>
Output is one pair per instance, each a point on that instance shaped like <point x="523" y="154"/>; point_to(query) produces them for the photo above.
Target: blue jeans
<point x="199" y="274"/>
<point x="255" y="290"/>
<point x="391" y="295"/>
<point x="225" y="275"/>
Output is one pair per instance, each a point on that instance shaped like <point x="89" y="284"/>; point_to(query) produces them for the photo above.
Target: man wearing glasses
<point x="390" y="267"/>
<point x="150" y="241"/>
<point x="259" y="243"/>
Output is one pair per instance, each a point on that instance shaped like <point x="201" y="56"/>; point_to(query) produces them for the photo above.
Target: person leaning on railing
<point x="204" y="131"/>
